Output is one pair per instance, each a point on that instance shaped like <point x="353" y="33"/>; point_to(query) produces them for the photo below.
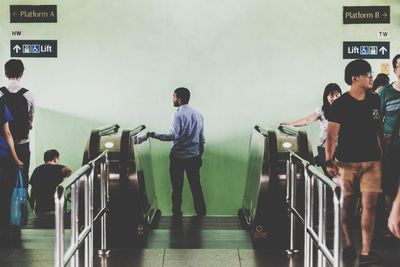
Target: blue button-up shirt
<point x="187" y="132"/>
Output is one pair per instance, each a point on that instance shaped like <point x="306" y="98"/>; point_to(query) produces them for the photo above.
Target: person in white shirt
<point x="21" y="103"/>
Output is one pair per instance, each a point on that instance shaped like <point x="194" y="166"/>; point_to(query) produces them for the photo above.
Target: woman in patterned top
<point x="331" y="93"/>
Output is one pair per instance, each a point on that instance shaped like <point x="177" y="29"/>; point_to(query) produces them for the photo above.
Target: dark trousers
<point x="7" y="182"/>
<point x="24" y="155"/>
<point x="176" y="170"/>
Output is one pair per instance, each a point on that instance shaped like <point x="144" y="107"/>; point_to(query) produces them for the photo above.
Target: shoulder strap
<point x="22" y="91"/>
<point x="4" y="90"/>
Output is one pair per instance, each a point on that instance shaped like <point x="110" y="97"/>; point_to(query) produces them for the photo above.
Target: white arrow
<point x="383" y="50"/>
<point x="16" y="48"/>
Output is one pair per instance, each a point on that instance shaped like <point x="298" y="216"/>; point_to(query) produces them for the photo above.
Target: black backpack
<point x="18" y="106"/>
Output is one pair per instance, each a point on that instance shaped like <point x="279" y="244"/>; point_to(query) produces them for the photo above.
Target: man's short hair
<point x="183" y="94"/>
<point x="51" y="154"/>
<point x="394" y="61"/>
<point x="14" y="68"/>
<point x="356" y="68"/>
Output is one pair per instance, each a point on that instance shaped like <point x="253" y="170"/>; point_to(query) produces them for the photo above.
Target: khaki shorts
<point x="360" y="177"/>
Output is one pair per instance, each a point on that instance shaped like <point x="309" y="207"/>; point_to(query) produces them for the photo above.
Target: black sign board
<point x="371" y="50"/>
<point x="366" y="14"/>
<point x="33" y="48"/>
<point x="33" y="13"/>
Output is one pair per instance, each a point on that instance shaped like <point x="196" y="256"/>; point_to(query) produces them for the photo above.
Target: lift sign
<point x="367" y="50"/>
<point x="33" y="48"/>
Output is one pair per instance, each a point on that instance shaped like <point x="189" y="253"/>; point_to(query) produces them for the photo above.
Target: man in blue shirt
<point x="187" y="134"/>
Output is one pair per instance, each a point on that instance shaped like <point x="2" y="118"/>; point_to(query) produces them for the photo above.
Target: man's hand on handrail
<point x="332" y="168"/>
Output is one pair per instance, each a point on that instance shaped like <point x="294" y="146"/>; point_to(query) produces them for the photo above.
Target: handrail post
<point x="321" y="220"/>
<point x="292" y="198"/>
<point x="91" y="191"/>
<point x="311" y="214"/>
<point x="314" y="183"/>
<point x="103" y="252"/>
<point x="307" y="239"/>
<point x="87" y="223"/>
<point x="85" y="175"/>
<point x="337" y="245"/>
<point x="59" y="225"/>
<point x="288" y="179"/>
<point x="75" y="221"/>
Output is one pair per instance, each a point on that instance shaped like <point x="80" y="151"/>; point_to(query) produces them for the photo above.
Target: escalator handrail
<point x="301" y="138"/>
<point x="261" y="130"/>
<point x="290" y="130"/>
<point x="125" y="149"/>
<point x="94" y="139"/>
<point x="137" y="130"/>
<point x="107" y="130"/>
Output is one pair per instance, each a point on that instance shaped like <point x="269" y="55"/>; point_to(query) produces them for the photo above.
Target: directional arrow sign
<point x="33" y="48"/>
<point x="366" y="14"/>
<point x="16" y="48"/>
<point x="383" y="50"/>
<point x="33" y="13"/>
<point x="368" y="50"/>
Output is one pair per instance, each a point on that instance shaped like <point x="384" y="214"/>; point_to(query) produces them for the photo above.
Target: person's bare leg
<point x="369" y="201"/>
<point x="348" y="218"/>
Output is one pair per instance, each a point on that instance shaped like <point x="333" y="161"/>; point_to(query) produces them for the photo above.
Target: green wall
<point x="245" y="62"/>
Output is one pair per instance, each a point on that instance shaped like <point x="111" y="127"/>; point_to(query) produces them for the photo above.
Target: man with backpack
<point x="21" y="104"/>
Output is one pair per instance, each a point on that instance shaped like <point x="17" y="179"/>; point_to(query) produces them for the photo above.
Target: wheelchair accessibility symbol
<point x="35" y="48"/>
<point x="364" y="50"/>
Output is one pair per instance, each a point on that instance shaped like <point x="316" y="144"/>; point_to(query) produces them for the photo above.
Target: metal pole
<point x="293" y="182"/>
<point x="75" y="221"/>
<point x="59" y="221"/>
<point x="337" y="243"/>
<point x="288" y="178"/>
<point x="307" y="240"/>
<point x="91" y="178"/>
<point x="87" y="222"/>
<point x="103" y="198"/>
<point x="323" y="204"/>
<point x="321" y="221"/>
<point x="311" y="221"/>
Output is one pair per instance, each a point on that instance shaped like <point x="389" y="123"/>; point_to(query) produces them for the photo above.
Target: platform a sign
<point x="33" y="13"/>
<point x="33" y="48"/>
<point x="367" y="50"/>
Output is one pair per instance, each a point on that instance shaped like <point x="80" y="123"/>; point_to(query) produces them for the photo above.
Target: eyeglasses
<point x="370" y="75"/>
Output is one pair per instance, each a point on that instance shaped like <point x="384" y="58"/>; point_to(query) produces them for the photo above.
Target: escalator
<point x="264" y="210"/>
<point x="133" y="202"/>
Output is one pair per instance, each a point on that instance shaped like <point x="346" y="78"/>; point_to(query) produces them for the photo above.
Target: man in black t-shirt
<point x="44" y="181"/>
<point x="354" y="125"/>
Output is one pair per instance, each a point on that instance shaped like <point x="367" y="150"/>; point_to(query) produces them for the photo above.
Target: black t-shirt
<point x="44" y="181"/>
<point x="359" y="125"/>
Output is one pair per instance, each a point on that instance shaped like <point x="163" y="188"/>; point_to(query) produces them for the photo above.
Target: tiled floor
<point x="193" y="242"/>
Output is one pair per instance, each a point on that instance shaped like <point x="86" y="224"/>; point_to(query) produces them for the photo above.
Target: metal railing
<point x="85" y="175"/>
<point x="311" y="237"/>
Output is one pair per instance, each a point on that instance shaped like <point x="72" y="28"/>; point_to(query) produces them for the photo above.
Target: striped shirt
<point x="390" y="107"/>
